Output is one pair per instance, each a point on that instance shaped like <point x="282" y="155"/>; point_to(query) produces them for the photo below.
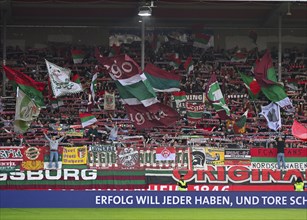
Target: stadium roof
<point x="165" y="13"/>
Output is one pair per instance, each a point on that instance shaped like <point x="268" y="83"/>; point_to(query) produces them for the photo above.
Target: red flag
<point x="299" y="131"/>
<point x="263" y="71"/>
<point x="142" y="118"/>
<point x="23" y="79"/>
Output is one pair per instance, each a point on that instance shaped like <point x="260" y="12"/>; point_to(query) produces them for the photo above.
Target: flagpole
<point x="4" y="52"/>
<point x="279" y="47"/>
<point x="143" y="44"/>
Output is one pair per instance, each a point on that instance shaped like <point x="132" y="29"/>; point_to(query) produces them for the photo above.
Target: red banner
<point x="33" y="158"/>
<point x="272" y="152"/>
<point x="209" y="187"/>
<point x="10" y="154"/>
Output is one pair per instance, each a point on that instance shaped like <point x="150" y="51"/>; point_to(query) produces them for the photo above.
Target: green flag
<point x="216" y="98"/>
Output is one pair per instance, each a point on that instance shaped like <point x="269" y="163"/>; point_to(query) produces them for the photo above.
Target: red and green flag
<point x="179" y="97"/>
<point x="239" y="57"/>
<point x="29" y="86"/>
<point x="137" y="94"/>
<point x="161" y="80"/>
<point x="266" y="77"/>
<point x="76" y="78"/>
<point x="195" y="111"/>
<point x="251" y="84"/>
<point x="87" y="119"/>
<point x="77" y="56"/>
<point x="203" y="40"/>
<point x="175" y="60"/>
<point x="188" y="65"/>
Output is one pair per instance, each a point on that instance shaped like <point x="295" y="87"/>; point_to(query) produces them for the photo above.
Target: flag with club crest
<point x="240" y="124"/>
<point x="215" y="97"/>
<point x="109" y="101"/>
<point x="165" y="153"/>
<point x="77" y="56"/>
<point x="271" y="112"/>
<point x="161" y="80"/>
<point x="25" y="111"/>
<point x="29" y="86"/>
<point x="138" y="96"/>
<point x="60" y="80"/>
<point x="87" y="119"/>
<point x="266" y="77"/>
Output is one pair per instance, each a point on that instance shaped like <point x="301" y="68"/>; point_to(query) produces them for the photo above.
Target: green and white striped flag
<point x="216" y="98"/>
<point x="133" y="87"/>
<point x="87" y="119"/>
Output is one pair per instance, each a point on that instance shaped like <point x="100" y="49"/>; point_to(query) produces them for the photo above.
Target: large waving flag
<point x="271" y="112"/>
<point x="60" y="80"/>
<point x="161" y="80"/>
<point x="299" y="131"/>
<point x="251" y="84"/>
<point x="141" y="103"/>
<point x="133" y="87"/>
<point x="266" y="77"/>
<point x="29" y="86"/>
<point x="25" y="111"/>
<point x="216" y="98"/>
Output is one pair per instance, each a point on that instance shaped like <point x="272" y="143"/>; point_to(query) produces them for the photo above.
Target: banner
<point x="74" y="155"/>
<point x="94" y="179"/>
<point x="33" y="158"/>
<point x="214" y="155"/>
<point x="11" y="154"/>
<point x="109" y="101"/>
<point x="237" y="154"/>
<point x="272" y="152"/>
<point x="108" y="157"/>
<point x="96" y="199"/>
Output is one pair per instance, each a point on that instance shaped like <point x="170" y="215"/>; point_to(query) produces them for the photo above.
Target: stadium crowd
<point x="62" y="115"/>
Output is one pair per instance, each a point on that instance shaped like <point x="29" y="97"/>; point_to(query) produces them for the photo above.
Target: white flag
<point x="25" y="112"/>
<point x="271" y="113"/>
<point x="60" y="80"/>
